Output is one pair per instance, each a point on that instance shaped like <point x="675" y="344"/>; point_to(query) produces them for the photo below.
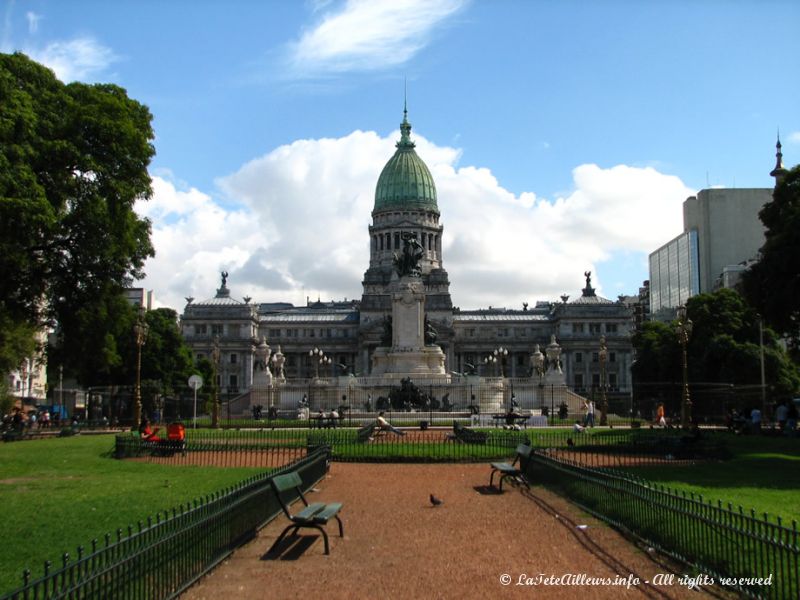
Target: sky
<point x="563" y="137"/>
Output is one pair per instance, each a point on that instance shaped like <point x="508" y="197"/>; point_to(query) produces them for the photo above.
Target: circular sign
<point x="195" y="382"/>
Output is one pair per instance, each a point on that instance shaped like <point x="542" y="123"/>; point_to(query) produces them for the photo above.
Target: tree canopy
<point x="772" y="285"/>
<point x="724" y="349"/>
<point x="73" y="161"/>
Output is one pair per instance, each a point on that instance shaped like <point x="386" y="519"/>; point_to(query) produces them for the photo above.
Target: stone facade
<point x="349" y="333"/>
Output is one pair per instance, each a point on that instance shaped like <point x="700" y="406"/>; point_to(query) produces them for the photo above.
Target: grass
<point x="763" y="474"/>
<point x="63" y="492"/>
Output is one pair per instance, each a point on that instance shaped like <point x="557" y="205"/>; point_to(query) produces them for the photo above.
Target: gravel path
<point x="396" y="545"/>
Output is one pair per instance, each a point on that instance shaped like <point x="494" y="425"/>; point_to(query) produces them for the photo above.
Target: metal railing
<point x="261" y="448"/>
<point x="715" y="539"/>
<point x="162" y="557"/>
<point x="416" y="445"/>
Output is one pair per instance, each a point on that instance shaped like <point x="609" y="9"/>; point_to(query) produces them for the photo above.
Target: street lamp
<point x="490" y="360"/>
<point x="215" y="356"/>
<point x="683" y="329"/>
<point x="499" y="355"/>
<point x="318" y="357"/>
<point x="763" y="378"/>
<point x="140" y="329"/>
<point x="603" y="355"/>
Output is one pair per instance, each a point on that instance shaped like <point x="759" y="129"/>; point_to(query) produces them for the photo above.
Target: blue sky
<point x="563" y="136"/>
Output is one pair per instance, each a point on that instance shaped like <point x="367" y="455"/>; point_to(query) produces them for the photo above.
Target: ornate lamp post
<point x="215" y="356"/>
<point x="140" y="330"/>
<point x="491" y="360"/>
<point x="500" y="354"/>
<point x="603" y="355"/>
<point x="683" y="329"/>
<point x="318" y="357"/>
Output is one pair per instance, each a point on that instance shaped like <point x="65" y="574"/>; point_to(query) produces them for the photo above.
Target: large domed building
<point x="348" y="332"/>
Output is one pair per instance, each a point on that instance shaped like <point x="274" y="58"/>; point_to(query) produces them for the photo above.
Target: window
<point x="612" y="381"/>
<point x="233" y="381"/>
<point x="217" y="329"/>
<point x="612" y="357"/>
<point x="579" y="357"/>
<point x="200" y="329"/>
<point x="200" y="356"/>
<point x="577" y="328"/>
<point x="595" y="357"/>
<point x="594" y="327"/>
<point x="276" y="333"/>
<point x="397" y="241"/>
<point x="611" y="328"/>
<point x="596" y="380"/>
<point x="234" y="358"/>
<point x="578" y="381"/>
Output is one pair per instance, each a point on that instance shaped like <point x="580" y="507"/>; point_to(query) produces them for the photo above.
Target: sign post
<point x="195" y="382"/>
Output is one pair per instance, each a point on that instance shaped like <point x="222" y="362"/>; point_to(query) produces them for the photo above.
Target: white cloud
<point x="78" y="59"/>
<point x="794" y="137"/>
<point x="369" y="34"/>
<point x="33" y="21"/>
<point x="302" y="211"/>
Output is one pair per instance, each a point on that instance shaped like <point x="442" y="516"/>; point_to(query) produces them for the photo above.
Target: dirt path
<point x="397" y="546"/>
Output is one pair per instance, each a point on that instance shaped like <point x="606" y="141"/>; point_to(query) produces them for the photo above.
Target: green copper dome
<point x="405" y="182"/>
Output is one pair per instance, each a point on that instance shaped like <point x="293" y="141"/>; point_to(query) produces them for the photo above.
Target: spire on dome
<point x="405" y="126"/>
<point x="779" y="172"/>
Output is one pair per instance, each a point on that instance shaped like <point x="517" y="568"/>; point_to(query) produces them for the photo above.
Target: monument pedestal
<point x="408" y="356"/>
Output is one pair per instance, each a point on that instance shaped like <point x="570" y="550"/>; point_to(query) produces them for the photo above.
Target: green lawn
<point x="63" y="492"/>
<point x="763" y="474"/>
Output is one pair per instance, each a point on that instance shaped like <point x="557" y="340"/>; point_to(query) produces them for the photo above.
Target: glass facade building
<point x="674" y="275"/>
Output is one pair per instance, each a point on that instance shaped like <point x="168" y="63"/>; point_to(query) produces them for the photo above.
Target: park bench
<point x="313" y="515"/>
<point x="514" y="469"/>
<point x="366" y="432"/>
<point x="466" y="435"/>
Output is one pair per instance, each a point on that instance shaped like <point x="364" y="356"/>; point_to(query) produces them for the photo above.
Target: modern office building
<point x="722" y="235"/>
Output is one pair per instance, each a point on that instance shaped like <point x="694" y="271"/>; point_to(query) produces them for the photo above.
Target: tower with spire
<point x="779" y="172"/>
<point x="405" y="203"/>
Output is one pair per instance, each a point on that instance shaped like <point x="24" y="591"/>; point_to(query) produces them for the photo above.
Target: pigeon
<point x="436" y="501"/>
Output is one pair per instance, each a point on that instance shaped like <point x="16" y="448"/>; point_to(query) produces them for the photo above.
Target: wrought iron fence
<point x="760" y="558"/>
<point x="273" y="448"/>
<point x="349" y="445"/>
<point x="162" y="557"/>
<point x="221" y="448"/>
<point x="620" y="448"/>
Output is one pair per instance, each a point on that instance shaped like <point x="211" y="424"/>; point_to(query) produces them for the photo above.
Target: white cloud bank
<point x="299" y="218"/>
<point x="369" y="34"/>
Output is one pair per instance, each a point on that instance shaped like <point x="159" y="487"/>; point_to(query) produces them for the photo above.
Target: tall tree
<point x="772" y="284"/>
<point x="724" y="349"/>
<point x="73" y="161"/>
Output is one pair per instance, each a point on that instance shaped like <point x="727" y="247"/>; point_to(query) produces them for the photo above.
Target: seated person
<point x="578" y="428"/>
<point x="384" y="425"/>
<point x="146" y="432"/>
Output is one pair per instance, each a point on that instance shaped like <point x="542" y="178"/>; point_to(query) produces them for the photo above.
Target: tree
<point x="772" y="285"/>
<point x="73" y="161"/>
<point x="723" y="351"/>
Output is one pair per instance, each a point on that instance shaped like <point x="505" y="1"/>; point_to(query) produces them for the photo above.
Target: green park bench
<point x="312" y="516"/>
<point x="465" y="435"/>
<point x="514" y="469"/>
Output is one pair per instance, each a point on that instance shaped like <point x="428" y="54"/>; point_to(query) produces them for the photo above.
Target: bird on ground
<point x="436" y="501"/>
